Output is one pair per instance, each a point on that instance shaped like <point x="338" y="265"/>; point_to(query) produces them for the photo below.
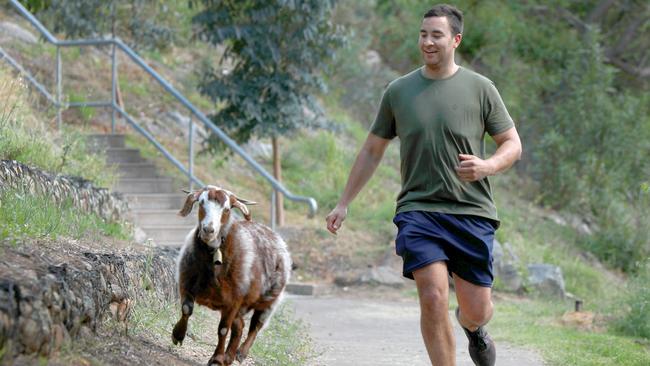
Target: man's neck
<point x="442" y="72"/>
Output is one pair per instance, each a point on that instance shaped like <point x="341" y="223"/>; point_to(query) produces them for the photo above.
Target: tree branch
<point x="628" y="35"/>
<point x="640" y="71"/>
<point x="600" y="10"/>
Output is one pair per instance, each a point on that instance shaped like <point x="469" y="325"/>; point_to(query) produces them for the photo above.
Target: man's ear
<point x="457" y="39"/>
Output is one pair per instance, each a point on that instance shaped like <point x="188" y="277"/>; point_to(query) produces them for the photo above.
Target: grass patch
<point x="27" y="138"/>
<point x="317" y="164"/>
<point x="285" y="341"/>
<point x="28" y="215"/>
<point x="534" y="323"/>
<point x="537" y="239"/>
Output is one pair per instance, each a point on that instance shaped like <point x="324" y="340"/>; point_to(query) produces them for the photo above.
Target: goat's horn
<point x="246" y="202"/>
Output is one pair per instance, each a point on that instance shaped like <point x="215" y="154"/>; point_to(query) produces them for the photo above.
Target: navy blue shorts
<point x="463" y="241"/>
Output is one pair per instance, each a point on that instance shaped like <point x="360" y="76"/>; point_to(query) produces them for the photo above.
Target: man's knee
<point x="477" y="315"/>
<point x="434" y="300"/>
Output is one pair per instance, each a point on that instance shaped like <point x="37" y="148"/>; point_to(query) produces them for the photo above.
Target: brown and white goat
<point x="256" y="267"/>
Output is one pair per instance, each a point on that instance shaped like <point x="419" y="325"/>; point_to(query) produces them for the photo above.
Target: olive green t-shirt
<point x="436" y="120"/>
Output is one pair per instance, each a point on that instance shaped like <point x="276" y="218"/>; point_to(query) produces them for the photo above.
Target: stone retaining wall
<point x="54" y="292"/>
<point x="108" y="205"/>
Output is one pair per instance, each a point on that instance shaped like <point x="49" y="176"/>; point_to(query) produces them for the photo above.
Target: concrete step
<point x="105" y="141"/>
<point x="145" y="185"/>
<point x="137" y="170"/>
<point x="156" y="201"/>
<point x="160" y="217"/>
<point x="123" y="155"/>
<point x="168" y="235"/>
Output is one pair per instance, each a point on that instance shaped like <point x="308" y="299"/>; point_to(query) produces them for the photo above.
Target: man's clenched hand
<point x="335" y="218"/>
<point x="473" y="168"/>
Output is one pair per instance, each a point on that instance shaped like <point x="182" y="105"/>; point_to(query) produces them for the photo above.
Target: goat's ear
<point x="241" y="205"/>
<point x="189" y="203"/>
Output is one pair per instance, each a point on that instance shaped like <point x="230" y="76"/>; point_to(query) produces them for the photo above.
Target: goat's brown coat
<point x="220" y="288"/>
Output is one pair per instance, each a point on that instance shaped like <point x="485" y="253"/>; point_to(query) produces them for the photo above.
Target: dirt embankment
<point x="55" y="291"/>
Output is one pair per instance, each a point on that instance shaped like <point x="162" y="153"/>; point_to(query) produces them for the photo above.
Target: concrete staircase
<point x="154" y="199"/>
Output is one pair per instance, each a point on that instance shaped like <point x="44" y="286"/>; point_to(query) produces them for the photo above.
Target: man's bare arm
<point x="364" y="167"/>
<point x="473" y="168"/>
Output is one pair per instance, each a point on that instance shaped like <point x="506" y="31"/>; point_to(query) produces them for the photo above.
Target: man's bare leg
<point x="475" y="303"/>
<point x="474" y="311"/>
<point x="433" y="290"/>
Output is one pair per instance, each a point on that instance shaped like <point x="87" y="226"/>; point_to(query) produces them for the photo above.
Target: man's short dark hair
<point x="454" y="16"/>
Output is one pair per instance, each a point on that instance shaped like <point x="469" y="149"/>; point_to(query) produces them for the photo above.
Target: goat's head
<point x="215" y="205"/>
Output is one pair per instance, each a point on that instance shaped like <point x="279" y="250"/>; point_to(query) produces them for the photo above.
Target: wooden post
<point x="277" y="173"/>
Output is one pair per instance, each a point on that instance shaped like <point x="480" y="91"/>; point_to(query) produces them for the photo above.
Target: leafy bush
<point x="635" y="320"/>
<point x="143" y="24"/>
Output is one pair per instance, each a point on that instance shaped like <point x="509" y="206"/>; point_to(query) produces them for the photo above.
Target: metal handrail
<point x="117" y="43"/>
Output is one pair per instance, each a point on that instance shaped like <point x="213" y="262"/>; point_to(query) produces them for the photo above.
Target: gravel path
<point x="359" y="332"/>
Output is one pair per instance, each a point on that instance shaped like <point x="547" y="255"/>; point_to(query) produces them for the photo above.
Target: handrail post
<point x="273" y="200"/>
<point x="113" y="86"/>
<point x="58" y="88"/>
<point x="191" y="152"/>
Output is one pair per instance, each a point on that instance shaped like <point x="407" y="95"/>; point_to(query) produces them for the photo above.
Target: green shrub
<point x="635" y="320"/>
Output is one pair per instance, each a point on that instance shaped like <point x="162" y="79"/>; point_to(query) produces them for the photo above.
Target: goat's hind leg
<point x="258" y="320"/>
<point x="187" y="307"/>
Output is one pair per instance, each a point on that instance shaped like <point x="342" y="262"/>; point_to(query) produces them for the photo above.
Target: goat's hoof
<point x="240" y="356"/>
<point x="177" y="342"/>
<point x="219" y="360"/>
<point x="178" y="335"/>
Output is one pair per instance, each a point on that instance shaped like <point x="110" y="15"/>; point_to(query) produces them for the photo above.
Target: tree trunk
<point x="277" y="173"/>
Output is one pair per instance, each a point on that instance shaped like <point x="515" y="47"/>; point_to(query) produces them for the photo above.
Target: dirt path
<point x="369" y="331"/>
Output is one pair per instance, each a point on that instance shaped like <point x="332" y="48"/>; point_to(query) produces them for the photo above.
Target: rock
<point x="32" y="336"/>
<point x="381" y="275"/>
<point x="183" y="122"/>
<point x="58" y="336"/>
<point x="511" y="279"/>
<point x="15" y="31"/>
<point x="505" y="266"/>
<point x="139" y="236"/>
<point x="372" y="59"/>
<point x="259" y="149"/>
<point x="497" y="256"/>
<point x="547" y="280"/>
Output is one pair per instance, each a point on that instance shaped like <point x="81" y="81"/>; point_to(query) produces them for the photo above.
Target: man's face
<point x="436" y="42"/>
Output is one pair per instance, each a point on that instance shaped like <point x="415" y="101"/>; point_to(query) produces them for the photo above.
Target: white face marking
<point x="212" y="219"/>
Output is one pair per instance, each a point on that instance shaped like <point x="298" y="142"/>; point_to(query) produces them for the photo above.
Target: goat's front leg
<point x="219" y="357"/>
<point x="187" y="307"/>
<point x="235" y="337"/>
